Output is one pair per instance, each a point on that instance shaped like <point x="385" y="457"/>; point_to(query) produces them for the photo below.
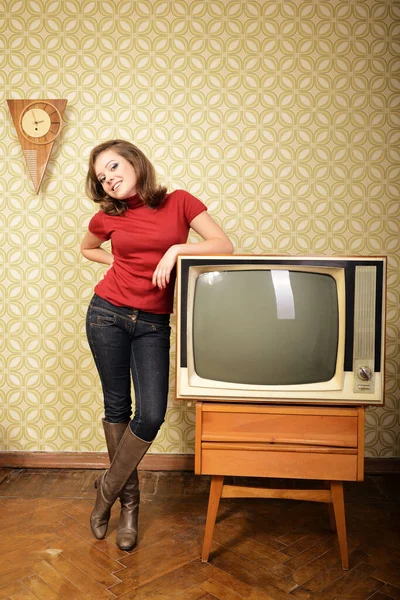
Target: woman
<point x="128" y="317"/>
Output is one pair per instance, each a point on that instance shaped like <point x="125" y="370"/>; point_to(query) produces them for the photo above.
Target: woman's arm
<point x="91" y="249"/>
<point x="215" y="241"/>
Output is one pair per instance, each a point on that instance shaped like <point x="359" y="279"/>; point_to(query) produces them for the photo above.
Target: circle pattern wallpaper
<point x="282" y="116"/>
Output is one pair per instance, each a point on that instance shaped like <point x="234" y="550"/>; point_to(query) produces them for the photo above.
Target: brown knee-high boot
<point x="128" y="454"/>
<point x="127" y="528"/>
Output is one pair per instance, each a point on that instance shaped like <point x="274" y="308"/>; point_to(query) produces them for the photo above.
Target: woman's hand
<point x="215" y="241"/>
<point x="163" y="270"/>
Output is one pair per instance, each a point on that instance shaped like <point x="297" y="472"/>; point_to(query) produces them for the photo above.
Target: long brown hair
<point x="149" y="191"/>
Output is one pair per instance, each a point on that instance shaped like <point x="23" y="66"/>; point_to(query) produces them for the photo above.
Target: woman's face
<point x="116" y="175"/>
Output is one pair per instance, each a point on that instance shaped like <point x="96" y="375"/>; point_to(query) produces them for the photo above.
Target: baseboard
<point x="91" y="460"/>
<point x="151" y="462"/>
<point x="376" y="466"/>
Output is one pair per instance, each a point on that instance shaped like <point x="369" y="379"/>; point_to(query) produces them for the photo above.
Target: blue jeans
<point x="127" y="341"/>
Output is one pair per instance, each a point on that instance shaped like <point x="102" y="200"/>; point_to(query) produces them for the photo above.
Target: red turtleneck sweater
<point x="139" y="239"/>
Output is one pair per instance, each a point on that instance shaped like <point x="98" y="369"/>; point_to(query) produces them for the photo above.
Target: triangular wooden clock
<point x="38" y="124"/>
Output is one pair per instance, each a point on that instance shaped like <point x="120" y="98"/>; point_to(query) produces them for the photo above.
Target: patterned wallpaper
<point x="281" y="115"/>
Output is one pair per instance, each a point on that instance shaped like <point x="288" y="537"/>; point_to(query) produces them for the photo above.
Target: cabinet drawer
<point x="295" y="426"/>
<point x="256" y="461"/>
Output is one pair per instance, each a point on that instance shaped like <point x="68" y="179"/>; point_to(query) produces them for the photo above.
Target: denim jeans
<point x="124" y="342"/>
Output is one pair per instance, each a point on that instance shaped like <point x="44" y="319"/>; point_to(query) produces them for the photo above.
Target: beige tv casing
<point x="346" y="387"/>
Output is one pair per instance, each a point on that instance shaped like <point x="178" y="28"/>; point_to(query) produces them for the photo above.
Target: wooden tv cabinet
<point x="288" y="442"/>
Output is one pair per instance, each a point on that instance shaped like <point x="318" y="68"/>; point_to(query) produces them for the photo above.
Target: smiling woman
<point x="128" y="317"/>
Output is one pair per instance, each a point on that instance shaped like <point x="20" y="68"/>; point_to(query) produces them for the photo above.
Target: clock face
<point x="40" y="122"/>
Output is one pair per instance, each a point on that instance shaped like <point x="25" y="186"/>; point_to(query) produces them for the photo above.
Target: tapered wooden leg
<point x="217" y="482"/>
<point x="332" y="522"/>
<point x="338" y="507"/>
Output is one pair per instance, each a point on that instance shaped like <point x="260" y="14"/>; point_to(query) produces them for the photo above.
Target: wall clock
<point x="38" y="124"/>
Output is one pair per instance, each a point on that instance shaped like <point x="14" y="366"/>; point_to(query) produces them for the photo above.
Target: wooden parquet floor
<point x="262" y="549"/>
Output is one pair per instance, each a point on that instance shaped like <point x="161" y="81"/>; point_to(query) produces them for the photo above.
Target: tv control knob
<point x="364" y="373"/>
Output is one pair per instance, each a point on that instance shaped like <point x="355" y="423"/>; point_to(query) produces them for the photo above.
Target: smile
<point x="116" y="186"/>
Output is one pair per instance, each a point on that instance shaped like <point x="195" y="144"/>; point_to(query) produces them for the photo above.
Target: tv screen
<point x="264" y="327"/>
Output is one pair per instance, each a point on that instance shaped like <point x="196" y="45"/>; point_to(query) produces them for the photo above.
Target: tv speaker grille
<point x="364" y="313"/>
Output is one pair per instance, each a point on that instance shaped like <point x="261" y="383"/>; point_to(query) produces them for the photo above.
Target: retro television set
<point x="281" y="329"/>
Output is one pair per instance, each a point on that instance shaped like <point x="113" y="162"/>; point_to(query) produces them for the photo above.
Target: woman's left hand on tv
<point x="163" y="270"/>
